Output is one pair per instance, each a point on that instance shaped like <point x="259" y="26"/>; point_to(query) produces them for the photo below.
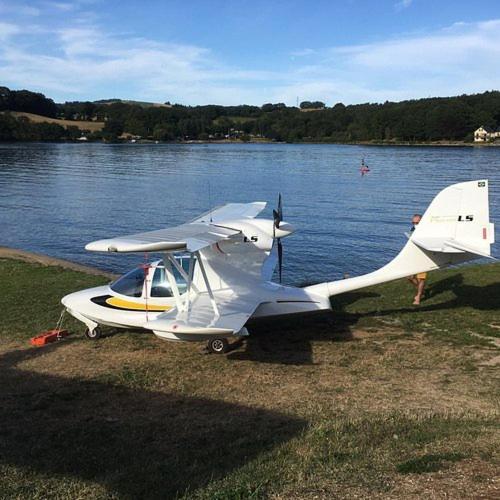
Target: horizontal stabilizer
<point x="468" y="249"/>
<point x="445" y="245"/>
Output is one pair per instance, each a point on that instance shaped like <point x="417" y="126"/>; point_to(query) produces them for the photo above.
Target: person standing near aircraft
<point x="418" y="280"/>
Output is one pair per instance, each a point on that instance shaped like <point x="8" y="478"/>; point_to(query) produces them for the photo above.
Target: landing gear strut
<point x="94" y="333"/>
<point x="217" y="346"/>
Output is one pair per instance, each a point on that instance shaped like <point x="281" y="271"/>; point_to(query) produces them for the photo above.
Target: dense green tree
<point x="312" y="105"/>
<point x="113" y="128"/>
<point x="452" y="118"/>
<point x="29" y="102"/>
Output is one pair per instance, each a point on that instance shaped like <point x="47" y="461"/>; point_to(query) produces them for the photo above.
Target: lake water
<point x="54" y="198"/>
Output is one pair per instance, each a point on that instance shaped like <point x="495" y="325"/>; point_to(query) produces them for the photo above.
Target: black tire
<point x="94" y="334"/>
<point x="217" y="346"/>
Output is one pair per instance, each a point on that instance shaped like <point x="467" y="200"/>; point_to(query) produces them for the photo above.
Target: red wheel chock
<point x="49" y="336"/>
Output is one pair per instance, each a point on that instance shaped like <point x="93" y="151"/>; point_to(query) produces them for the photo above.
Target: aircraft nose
<point x="68" y="300"/>
<point x="74" y="300"/>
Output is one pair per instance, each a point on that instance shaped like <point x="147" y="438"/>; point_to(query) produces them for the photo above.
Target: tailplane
<point x="454" y="229"/>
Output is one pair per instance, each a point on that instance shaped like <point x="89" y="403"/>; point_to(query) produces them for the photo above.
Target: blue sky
<point x="252" y="52"/>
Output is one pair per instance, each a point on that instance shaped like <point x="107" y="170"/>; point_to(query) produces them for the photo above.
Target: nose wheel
<point x="217" y="346"/>
<point x="93" y="333"/>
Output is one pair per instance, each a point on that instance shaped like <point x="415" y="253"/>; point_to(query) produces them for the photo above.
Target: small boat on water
<point x="364" y="169"/>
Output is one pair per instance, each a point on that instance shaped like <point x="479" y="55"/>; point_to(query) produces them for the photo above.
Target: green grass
<point x="429" y="463"/>
<point x="31" y="297"/>
<point x="370" y="401"/>
<point x="458" y="303"/>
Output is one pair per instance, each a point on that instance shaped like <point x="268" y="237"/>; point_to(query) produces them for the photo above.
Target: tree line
<point x="420" y="120"/>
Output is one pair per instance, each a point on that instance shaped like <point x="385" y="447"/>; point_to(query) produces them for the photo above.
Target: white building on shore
<point x="485" y="134"/>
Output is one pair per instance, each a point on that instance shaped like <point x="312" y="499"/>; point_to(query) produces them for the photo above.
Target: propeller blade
<point x="278" y="213"/>
<point x="280" y="257"/>
<point x="276" y="218"/>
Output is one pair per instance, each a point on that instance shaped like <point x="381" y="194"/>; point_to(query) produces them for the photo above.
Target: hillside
<point x="91" y="126"/>
<point x="143" y="104"/>
<point x="376" y="400"/>
<point x="422" y="121"/>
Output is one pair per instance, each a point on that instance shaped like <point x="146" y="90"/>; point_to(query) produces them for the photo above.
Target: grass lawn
<point x="377" y="399"/>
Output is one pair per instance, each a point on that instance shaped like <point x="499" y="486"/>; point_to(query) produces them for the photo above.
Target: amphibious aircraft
<point x="216" y="271"/>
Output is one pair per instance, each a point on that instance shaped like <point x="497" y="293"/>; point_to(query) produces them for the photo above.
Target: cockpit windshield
<point x="130" y="284"/>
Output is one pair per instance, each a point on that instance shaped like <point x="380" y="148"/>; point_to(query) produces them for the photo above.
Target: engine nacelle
<point x="258" y="232"/>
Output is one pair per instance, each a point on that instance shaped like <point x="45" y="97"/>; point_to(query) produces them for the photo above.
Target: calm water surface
<point x="54" y="198"/>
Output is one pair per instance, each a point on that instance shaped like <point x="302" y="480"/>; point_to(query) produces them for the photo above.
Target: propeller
<point x="278" y="217"/>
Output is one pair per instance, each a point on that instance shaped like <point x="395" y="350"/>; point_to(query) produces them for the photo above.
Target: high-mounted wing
<point x="193" y="236"/>
<point x="190" y="237"/>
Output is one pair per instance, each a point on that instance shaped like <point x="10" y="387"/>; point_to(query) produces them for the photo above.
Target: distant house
<point x="484" y="134"/>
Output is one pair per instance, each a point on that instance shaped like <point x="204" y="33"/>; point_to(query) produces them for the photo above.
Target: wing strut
<point x="186" y="278"/>
<point x="207" y="284"/>
<point x="189" y="282"/>
<point x="167" y="262"/>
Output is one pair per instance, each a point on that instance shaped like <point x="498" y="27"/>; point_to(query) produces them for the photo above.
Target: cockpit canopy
<point x="133" y="283"/>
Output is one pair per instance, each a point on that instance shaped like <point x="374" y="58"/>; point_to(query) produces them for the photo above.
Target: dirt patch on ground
<point x="453" y="482"/>
<point x="374" y="371"/>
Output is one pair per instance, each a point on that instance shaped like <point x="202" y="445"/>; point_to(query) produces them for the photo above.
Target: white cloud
<point x="462" y="58"/>
<point x="302" y="52"/>
<point x="7" y="30"/>
<point x="62" y="6"/>
<point x="89" y="63"/>
<point x="403" y="4"/>
<point x="82" y="61"/>
<point x="19" y="9"/>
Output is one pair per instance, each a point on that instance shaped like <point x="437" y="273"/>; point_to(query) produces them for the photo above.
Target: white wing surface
<point x="191" y="237"/>
<point x="232" y="211"/>
<point x="233" y="312"/>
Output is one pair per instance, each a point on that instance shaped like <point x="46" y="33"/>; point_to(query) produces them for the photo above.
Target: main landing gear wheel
<point x="217" y="346"/>
<point x="93" y="334"/>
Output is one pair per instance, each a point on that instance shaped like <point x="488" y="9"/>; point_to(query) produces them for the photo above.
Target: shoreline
<point x="438" y="144"/>
<point x="45" y="260"/>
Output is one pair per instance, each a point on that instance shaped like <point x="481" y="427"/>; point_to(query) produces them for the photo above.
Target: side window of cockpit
<point x="130" y="284"/>
<point x="160" y="286"/>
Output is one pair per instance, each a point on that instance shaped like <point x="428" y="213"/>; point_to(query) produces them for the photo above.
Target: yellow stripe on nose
<point x="128" y="304"/>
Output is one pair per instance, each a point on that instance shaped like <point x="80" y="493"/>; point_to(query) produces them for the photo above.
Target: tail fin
<point x="454" y="229"/>
<point x="457" y="221"/>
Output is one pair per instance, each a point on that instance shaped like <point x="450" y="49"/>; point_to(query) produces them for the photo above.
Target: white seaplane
<point x="216" y="270"/>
